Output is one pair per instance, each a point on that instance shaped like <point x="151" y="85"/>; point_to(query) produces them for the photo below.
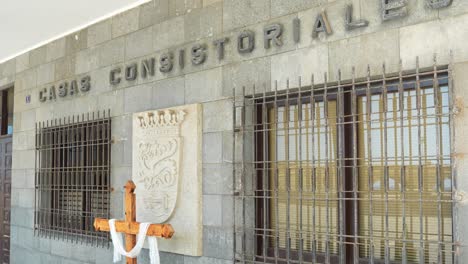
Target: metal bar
<point x="313" y="171"/>
<point x="83" y="163"/>
<point x="47" y="179"/>
<point x="108" y="168"/>
<point x="355" y="173"/>
<point x="439" y="155"/>
<point x="100" y="193"/>
<point x="263" y="167"/>
<point x="68" y="175"/>
<point x="340" y="169"/>
<point x="62" y="174"/>
<point x="420" y="165"/>
<point x="46" y="186"/>
<point x="300" y="169"/>
<point x="402" y="164"/>
<point x="288" y="175"/>
<point x="327" y="171"/>
<point x="36" y="178"/>
<point x="243" y="180"/>
<point x="386" y="168"/>
<point x="369" y="166"/>
<point x="276" y="124"/>
<point x="55" y="180"/>
<point x="42" y="182"/>
<point x="234" y="173"/>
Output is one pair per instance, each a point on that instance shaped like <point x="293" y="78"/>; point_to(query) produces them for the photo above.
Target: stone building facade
<point x="210" y="68"/>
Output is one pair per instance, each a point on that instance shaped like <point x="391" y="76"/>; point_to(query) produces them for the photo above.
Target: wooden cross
<point x="130" y="227"/>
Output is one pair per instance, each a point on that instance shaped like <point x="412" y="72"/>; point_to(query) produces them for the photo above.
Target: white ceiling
<point x="26" y="24"/>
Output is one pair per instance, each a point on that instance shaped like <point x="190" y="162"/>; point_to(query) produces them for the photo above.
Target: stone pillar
<point x="460" y="148"/>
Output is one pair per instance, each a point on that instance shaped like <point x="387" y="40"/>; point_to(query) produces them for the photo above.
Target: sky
<point x="26" y="24"/>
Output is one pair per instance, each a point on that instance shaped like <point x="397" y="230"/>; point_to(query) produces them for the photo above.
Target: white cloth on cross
<point x="119" y="249"/>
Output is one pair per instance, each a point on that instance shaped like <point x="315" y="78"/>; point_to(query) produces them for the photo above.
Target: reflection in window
<point x="391" y="185"/>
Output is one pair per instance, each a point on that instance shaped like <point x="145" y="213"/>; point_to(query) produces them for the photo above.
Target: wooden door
<point x="5" y="197"/>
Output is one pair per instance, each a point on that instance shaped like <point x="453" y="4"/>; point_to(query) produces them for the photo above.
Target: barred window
<point x="356" y="172"/>
<point x="73" y="177"/>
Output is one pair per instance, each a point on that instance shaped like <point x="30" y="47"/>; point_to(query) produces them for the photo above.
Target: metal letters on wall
<point x="245" y="43"/>
<point x="436" y="4"/>
<point x="65" y="89"/>
<point x="321" y="25"/>
<point x="350" y="25"/>
<point x="272" y="34"/>
<point x="392" y="9"/>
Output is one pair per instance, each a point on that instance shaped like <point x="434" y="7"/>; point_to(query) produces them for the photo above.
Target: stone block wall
<point x="169" y="25"/>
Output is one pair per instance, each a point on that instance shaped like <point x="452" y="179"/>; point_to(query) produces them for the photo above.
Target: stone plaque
<point x="167" y="173"/>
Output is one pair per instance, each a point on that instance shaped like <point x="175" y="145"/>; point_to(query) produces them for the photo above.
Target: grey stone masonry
<point x="163" y="28"/>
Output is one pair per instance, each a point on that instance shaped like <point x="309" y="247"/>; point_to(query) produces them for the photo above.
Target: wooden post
<point x="130" y="227"/>
<point x="130" y="217"/>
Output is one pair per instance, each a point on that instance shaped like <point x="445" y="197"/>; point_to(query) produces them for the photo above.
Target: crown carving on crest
<point x="162" y="119"/>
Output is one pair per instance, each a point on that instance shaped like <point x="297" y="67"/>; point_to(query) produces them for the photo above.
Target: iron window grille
<point x="72" y="179"/>
<point x="323" y="176"/>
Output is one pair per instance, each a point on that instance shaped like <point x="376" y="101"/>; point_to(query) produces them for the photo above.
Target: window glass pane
<point x="405" y="174"/>
<point x="10" y="100"/>
<point x="7" y="98"/>
<point x="306" y="148"/>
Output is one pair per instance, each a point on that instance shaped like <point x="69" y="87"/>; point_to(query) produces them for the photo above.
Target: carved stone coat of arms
<point x="166" y="169"/>
<point x="158" y="162"/>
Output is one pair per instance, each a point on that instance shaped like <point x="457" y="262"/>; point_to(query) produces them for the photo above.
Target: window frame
<point x="295" y="96"/>
<point x="73" y="159"/>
